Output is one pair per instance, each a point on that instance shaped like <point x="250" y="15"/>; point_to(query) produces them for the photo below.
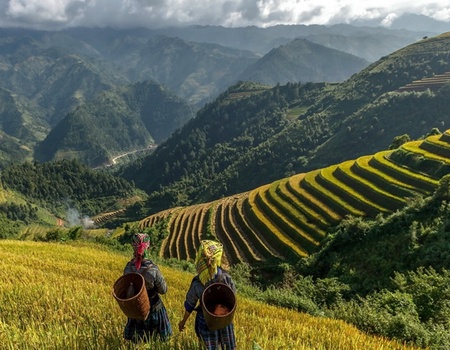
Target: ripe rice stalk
<point x="59" y="296"/>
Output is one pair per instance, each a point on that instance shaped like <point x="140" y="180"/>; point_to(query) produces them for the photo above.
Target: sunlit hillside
<point x="59" y="296"/>
<point x="289" y="218"/>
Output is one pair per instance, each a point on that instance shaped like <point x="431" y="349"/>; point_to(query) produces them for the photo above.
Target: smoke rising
<point x="74" y="218"/>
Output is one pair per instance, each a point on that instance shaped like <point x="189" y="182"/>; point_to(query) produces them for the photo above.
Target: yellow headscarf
<point x="208" y="259"/>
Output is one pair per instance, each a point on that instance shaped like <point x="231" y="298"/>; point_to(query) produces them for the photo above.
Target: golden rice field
<point x="59" y="296"/>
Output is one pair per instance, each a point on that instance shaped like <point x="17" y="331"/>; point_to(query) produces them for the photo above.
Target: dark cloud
<point x="159" y="13"/>
<point x="308" y="15"/>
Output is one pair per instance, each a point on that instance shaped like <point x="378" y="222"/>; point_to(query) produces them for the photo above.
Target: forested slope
<point x="234" y="145"/>
<point x="291" y="218"/>
<point x="59" y="194"/>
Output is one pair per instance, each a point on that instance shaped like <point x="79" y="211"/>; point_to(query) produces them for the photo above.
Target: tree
<point x="399" y="140"/>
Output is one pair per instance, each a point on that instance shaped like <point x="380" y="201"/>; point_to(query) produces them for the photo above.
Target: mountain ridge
<point x="299" y="121"/>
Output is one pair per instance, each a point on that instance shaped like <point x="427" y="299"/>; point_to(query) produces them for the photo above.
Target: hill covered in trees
<point x="290" y="218"/>
<point x="53" y="77"/>
<point x="122" y="120"/>
<point x="303" y="61"/>
<point x="252" y="135"/>
<point x="59" y="194"/>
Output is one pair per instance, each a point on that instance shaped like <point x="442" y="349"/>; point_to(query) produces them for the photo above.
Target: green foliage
<point x="157" y="233"/>
<point x="399" y="140"/>
<point x="59" y="185"/>
<point x="433" y="167"/>
<point x="26" y="213"/>
<point x="287" y="299"/>
<point x="443" y="190"/>
<point x="75" y="233"/>
<point x="389" y="314"/>
<point x="9" y="228"/>
<point x="55" y="235"/>
<point x="430" y="292"/>
<point x="415" y="310"/>
<point x="119" y="121"/>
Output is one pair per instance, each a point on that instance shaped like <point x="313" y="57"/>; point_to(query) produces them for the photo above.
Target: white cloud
<point x="157" y="13"/>
<point x="387" y="21"/>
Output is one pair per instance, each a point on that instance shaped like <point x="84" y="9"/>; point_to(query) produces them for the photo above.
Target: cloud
<point x="49" y="14"/>
<point x="387" y="21"/>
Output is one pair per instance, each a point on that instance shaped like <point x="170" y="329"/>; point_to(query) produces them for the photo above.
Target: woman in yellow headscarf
<point x="208" y="263"/>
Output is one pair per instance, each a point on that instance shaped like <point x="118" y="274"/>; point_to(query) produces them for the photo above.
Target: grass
<point x="59" y="296"/>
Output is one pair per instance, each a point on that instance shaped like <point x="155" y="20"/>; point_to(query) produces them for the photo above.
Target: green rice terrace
<point x="289" y="218"/>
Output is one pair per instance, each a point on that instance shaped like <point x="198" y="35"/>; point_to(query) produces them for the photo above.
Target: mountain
<point x="45" y="76"/>
<point x="416" y="22"/>
<point x="195" y="71"/>
<point x="370" y="46"/>
<point x="379" y="40"/>
<point x="118" y="121"/>
<point x="302" y="60"/>
<point x="53" y="71"/>
<point x="252" y="135"/>
<point x="407" y="21"/>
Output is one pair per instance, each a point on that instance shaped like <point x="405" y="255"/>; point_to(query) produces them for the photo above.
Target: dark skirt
<point x="157" y="325"/>
<point x="213" y="339"/>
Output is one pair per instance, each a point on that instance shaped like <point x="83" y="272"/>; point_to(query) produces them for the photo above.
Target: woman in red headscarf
<point x="157" y="322"/>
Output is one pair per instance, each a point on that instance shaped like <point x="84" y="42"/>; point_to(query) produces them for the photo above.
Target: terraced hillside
<point x="433" y="83"/>
<point x="289" y="218"/>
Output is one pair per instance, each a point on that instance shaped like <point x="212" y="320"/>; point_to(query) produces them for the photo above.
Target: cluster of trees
<point x="14" y="216"/>
<point x="23" y="212"/>
<point x="55" y="185"/>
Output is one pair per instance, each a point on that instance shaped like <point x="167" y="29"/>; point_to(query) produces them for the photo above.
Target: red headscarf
<point x="141" y="242"/>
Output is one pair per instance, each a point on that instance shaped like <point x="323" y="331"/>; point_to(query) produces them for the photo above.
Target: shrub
<point x="54" y="235"/>
<point x="390" y="314"/>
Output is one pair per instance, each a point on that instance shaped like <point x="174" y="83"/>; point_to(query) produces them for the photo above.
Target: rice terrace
<point x="289" y="218"/>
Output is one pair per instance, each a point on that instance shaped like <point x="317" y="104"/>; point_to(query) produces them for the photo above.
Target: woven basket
<point x="137" y="306"/>
<point x="214" y="296"/>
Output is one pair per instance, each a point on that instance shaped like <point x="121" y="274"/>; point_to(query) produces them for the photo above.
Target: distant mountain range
<point x="55" y="86"/>
<point x="305" y="61"/>
<point x="409" y="21"/>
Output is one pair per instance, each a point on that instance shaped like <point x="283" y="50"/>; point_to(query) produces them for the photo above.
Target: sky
<point x="59" y="14"/>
